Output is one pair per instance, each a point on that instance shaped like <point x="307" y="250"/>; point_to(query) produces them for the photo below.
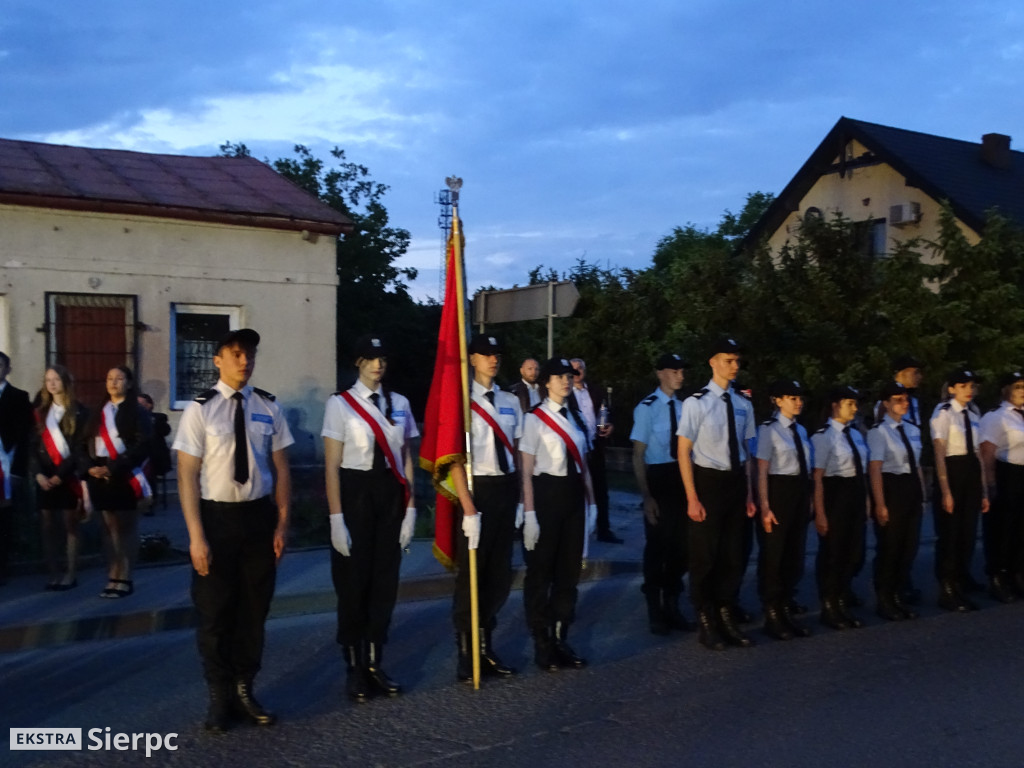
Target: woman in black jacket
<point x="120" y="435"/>
<point x="58" y="444"/>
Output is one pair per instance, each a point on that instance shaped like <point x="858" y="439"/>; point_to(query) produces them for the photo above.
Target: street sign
<point x="531" y="302"/>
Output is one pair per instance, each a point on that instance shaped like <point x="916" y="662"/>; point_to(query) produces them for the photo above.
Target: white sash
<point x="109" y="411"/>
<point x="53" y="427"/>
<point x="395" y="433"/>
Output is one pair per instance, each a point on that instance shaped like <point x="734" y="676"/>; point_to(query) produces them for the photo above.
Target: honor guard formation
<point x="711" y="476"/>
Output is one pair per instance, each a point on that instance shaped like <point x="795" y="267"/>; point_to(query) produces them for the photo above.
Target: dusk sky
<point x="581" y="129"/>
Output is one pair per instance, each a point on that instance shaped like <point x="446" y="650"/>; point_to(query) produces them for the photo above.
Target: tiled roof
<point x="945" y="169"/>
<point x="238" y="190"/>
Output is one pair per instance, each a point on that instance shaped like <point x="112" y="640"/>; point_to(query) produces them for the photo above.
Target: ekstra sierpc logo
<point x="96" y="739"/>
<point x="46" y="738"/>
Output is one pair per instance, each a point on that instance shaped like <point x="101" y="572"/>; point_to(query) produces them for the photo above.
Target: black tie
<point x="856" y="453"/>
<point x="570" y="462"/>
<point x="800" y="455"/>
<point x="967" y="433"/>
<point x="1020" y="412"/>
<point x="673" y="441"/>
<point x="734" y="442"/>
<point x="241" y="445"/>
<point x="499" y="447"/>
<point x="910" y="450"/>
<point x="378" y="453"/>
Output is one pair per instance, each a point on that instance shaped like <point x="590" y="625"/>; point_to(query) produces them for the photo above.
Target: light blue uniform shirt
<point x="832" y="450"/>
<point x="705" y="422"/>
<point x="775" y="444"/>
<point x="652" y="427"/>
<point x="886" y="445"/>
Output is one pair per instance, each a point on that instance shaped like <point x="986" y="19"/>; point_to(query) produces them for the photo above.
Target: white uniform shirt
<point x="207" y="431"/>
<point x="1004" y="428"/>
<point x="886" y="445"/>
<point x="832" y="450"/>
<point x="947" y="424"/>
<point x="551" y="456"/>
<point x="509" y="416"/>
<point x="775" y="444"/>
<point x="345" y="425"/>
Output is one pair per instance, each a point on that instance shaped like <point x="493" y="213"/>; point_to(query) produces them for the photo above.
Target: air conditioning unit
<point x="904" y="214"/>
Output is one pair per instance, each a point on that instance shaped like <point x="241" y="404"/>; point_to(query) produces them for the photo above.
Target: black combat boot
<point x="219" y="709"/>
<point x="248" y="707"/>
<point x="831" y="615"/>
<point x="356" y="686"/>
<point x="490" y="663"/>
<point x="775" y="623"/>
<point x="708" y="634"/>
<point x="376" y="674"/>
<point x="730" y="630"/>
<point x="564" y="653"/>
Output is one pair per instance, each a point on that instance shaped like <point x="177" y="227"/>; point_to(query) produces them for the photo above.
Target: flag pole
<point x="460" y="290"/>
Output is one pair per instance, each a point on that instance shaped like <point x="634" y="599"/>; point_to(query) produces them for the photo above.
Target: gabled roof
<point x="945" y="169"/>
<point x="233" y="190"/>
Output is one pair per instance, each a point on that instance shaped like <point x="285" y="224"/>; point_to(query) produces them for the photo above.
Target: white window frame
<point x="234" y="315"/>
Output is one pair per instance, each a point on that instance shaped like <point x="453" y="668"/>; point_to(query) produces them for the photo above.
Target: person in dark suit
<point x="527" y="389"/>
<point x="586" y="400"/>
<point x="15" y="428"/>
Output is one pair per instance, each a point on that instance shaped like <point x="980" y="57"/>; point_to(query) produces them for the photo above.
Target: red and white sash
<point x="109" y="443"/>
<point x="56" y="446"/>
<point x="382" y="441"/>
<point x="483" y="414"/>
<point x="570" y="444"/>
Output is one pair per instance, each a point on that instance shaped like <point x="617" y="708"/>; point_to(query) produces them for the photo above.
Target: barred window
<point x="195" y="329"/>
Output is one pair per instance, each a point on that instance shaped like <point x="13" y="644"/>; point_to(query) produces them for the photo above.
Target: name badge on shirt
<point x="262" y="417"/>
<point x="398" y="414"/>
<point x="507" y="411"/>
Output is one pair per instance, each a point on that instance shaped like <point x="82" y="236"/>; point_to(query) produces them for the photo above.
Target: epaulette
<point x="699" y="395"/>
<point x="534" y="408"/>
<point x="945" y="406"/>
<point x="993" y="410"/>
<point x="204" y="397"/>
<point x="649" y="399"/>
<point x="766" y="422"/>
<point x="821" y="431"/>
<point x="264" y="394"/>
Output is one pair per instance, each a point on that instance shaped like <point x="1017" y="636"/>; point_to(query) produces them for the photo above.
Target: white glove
<point x="531" y="530"/>
<point x="340" y="538"/>
<point x="519" y="515"/>
<point x="408" y="525"/>
<point x="471" y="527"/>
<point x="591" y="521"/>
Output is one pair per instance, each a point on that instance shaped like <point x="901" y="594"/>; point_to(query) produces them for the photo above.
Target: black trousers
<point x="716" y="543"/>
<point x="366" y="582"/>
<point x="666" y="549"/>
<point x="233" y="600"/>
<point x="1003" y="525"/>
<point x="957" y="532"/>
<point x="898" y="539"/>
<point x="781" y="552"/>
<point x="553" y="567"/>
<point x="495" y="499"/>
<point x="840" y="550"/>
<point x="599" y="482"/>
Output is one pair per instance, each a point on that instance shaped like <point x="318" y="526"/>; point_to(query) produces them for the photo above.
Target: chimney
<point x="995" y="150"/>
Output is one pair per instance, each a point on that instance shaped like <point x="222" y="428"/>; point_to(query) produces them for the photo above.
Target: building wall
<point x="867" y="193"/>
<point x="284" y="285"/>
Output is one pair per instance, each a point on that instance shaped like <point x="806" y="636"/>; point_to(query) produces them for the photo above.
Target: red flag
<point x="444" y="432"/>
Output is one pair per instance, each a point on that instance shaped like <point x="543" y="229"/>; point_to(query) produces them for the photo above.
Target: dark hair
<point x="147" y="398"/>
<point x="129" y="382"/>
<point x="5" y="359"/>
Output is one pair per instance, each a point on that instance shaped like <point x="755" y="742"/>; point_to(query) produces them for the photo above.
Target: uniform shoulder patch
<point x="821" y="431"/>
<point x="766" y="422"/>
<point x="205" y="397"/>
<point x="264" y="394"/>
<point x="649" y="399"/>
<point x="700" y="394"/>
<point x="945" y="406"/>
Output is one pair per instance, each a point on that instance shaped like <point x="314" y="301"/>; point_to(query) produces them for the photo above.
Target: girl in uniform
<point x="783" y="458"/>
<point x="58" y="445"/>
<point x="369" y="477"/>
<point x="121" y="433"/>
<point x="1002" y="454"/>
<point x="840" y="507"/>
<point x="960" y="490"/>
<point x="897" y="491"/>
<point x="556" y="492"/>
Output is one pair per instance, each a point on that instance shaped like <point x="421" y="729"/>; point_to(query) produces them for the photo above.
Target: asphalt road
<point x="940" y="691"/>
